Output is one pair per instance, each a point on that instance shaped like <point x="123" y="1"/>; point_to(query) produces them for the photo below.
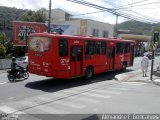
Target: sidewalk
<point x="3" y="71"/>
<point x="136" y="76"/>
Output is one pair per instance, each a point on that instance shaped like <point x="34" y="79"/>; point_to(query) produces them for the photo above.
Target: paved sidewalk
<point x="136" y="76"/>
<point x="3" y="71"/>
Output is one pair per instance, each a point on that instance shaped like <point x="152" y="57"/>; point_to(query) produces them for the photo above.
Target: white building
<point x="83" y="27"/>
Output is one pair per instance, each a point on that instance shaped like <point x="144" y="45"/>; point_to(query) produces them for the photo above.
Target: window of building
<point x="67" y="17"/>
<point x="105" y="34"/>
<point x="63" y="47"/>
<point x="95" y="32"/>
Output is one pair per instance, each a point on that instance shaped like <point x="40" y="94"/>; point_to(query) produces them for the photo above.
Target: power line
<point x="128" y="16"/>
<point x="142" y="4"/>
<point x="118" y="14"/>
<point x="119" y="7"/>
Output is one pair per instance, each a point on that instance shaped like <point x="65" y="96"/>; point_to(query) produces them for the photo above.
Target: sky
<point x="143" y="10"/>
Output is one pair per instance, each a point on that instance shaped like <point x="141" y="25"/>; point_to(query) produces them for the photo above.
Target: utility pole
<point x="26" y="38"/>
<point x="155" y="39"/>
<point x="115" y="28"/>
<point x="49" y="17"/>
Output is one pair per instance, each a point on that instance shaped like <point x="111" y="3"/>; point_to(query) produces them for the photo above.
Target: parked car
<point x="22" y="61"/>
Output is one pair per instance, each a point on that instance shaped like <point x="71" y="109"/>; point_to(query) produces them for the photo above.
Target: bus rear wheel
<point x="89" y="73"/>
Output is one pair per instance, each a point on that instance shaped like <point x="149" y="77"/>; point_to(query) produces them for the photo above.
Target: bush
<point x="2" y="51"/>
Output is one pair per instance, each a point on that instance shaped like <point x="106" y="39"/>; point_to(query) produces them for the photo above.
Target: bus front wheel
<point x="89" y="72"/>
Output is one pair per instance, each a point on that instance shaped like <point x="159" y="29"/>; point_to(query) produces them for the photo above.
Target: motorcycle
<point x="21" y="73"/>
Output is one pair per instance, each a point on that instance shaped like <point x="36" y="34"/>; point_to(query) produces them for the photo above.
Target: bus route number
<point x="64" y="61"/>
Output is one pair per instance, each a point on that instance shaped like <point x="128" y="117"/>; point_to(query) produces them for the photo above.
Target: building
<point x="85" y="27"/>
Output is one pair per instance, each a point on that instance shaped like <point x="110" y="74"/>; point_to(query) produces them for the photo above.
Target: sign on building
<point x="21" y="30"/>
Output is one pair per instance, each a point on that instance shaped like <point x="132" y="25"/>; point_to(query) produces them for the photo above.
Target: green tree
<point x="5" y="45"/>
<point x="3" y="38"/>
<point x="27" y="16"/>
<point x="32" y="16"/>
<point x="2" y="51"/>
<point x="39" y="16"/>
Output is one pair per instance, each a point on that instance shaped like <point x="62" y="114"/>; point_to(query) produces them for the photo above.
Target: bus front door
<point x="76" y="61"/>
<point x="111" y="57"/>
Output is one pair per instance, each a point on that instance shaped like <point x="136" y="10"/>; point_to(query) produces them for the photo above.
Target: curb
<point x="157" y="82"/>
<point x="126" y="76"/>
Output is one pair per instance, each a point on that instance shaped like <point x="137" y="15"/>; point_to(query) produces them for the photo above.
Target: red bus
<point x="65" y="56"/>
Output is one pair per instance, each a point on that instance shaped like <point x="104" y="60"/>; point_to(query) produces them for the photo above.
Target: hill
<point x="137" y="27"/>
<point x="7" y="15"/>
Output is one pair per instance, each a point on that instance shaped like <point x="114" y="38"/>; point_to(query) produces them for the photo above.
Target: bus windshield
<point x="39" y="44"/>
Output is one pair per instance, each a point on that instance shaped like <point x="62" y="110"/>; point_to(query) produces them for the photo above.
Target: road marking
<point x="11" y="98"/>
<point x="28" y="103"/>
<point x="96" y="95"/>
<point x="42" y="98"/>
<point x="69" y="104"/>
<point x="124" y="89"/>
<point x="10" y="110"/>
<point x="106" y="91"/>
<point x="3" y="83"/>
<point x="50" y="109"/>
<point x="83" y="99"/>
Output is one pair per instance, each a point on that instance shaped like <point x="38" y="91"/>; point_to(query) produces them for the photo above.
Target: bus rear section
<point x="39" y="49"/>
<point x="124" y="54"/>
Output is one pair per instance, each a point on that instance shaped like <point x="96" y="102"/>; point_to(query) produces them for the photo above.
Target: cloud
<point x="149" y="11"/>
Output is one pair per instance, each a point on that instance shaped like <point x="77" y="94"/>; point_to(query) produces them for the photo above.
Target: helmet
<point x="13" y="59"/>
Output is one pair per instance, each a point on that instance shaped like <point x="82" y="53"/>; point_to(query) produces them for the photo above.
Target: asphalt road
<point x="101" y="94"/>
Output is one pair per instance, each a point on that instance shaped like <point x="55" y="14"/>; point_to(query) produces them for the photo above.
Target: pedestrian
<point x="144" y="65"/>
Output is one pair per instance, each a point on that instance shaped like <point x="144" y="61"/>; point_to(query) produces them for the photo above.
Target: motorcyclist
<point x="14" y="69"/>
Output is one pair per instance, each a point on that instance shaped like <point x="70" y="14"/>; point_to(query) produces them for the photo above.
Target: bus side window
<point x="101" y="48"/>
<point x="90" y="47"/>
<point x="63" y="47"/>
<point x="127" y="48"/>
<point x="120" y="48"/>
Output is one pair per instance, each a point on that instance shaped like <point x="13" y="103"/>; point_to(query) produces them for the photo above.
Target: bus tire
<point x="89" y="72"/>
<point x="124" y="66"/>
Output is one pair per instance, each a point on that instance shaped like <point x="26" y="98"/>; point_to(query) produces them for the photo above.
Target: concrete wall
<point x="56" y="15"/>
<point x="91" y="24"/>
<point x="75" y="23"/>
<point x="5" y="64"/>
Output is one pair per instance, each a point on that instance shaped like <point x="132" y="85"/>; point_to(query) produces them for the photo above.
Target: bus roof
<point x="80" y="37"/>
